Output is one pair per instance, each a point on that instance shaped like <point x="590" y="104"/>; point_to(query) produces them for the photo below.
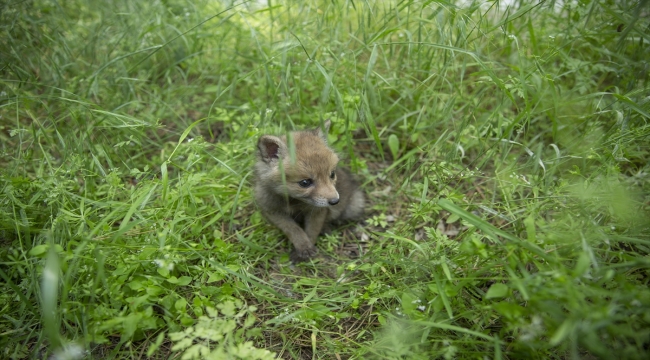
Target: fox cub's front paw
<point x="303" y="254"/>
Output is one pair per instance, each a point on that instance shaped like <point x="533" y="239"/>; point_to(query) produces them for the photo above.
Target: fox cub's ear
<point x="271" y="148"/>
<point x="326" y="129"/>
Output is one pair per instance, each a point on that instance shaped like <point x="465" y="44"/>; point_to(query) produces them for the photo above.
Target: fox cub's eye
<point x="305" y="183"/>
<point x="332" y="175"/>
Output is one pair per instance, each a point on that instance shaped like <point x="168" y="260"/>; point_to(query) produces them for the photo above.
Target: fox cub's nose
<point x="333" y="201"/>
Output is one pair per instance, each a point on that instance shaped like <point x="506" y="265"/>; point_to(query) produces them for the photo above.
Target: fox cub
<point x="303" y="190"/>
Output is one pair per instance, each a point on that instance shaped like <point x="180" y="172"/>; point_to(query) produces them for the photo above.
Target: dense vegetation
<point x="504" y="148"/>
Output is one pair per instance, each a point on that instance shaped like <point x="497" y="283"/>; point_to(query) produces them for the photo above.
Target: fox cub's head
<point x="307" y="163"/>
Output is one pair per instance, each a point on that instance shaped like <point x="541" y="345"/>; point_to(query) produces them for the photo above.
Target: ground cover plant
<point x="503" y="146"/>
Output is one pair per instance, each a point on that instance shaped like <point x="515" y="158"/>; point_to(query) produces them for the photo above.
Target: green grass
<point x="504" y="150"/>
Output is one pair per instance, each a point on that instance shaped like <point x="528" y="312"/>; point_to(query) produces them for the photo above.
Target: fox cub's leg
<point x="303" y="246"/>
<point x="314" y="222"/>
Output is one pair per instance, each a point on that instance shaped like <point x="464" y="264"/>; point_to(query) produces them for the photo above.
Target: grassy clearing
<point x="504" y="149"/>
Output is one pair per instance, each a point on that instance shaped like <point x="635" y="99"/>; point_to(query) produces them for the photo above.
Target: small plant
<point x="221" y="334"/>
<point x="380" y="220"/>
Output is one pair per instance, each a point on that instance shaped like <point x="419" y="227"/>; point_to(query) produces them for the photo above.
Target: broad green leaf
<point x="180" y="304"/>
<point x="393" y="145"/>
<point x="452" y="218"/>
<point x="184" y="280"/>
<point x="509" y="310"/>
<point x="38" y="250"/>
<point x="154" y="290"/>
<point x="215" y="276"/>
<point x="163" y="271"/>
<point x="497" y="290"/>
